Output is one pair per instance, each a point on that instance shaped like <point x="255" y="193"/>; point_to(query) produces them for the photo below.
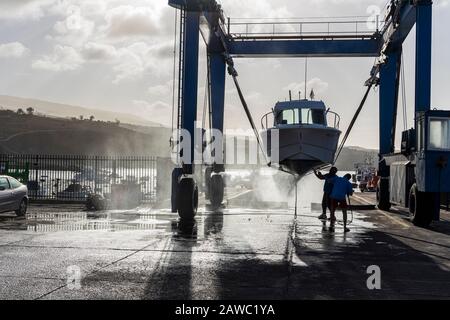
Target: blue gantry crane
<point x="421" y="178"/>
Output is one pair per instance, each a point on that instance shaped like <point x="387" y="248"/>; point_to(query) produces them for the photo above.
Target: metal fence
<point x="72" y="178"/>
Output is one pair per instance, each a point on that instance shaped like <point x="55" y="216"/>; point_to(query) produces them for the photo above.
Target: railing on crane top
<point x="304" y="28"/>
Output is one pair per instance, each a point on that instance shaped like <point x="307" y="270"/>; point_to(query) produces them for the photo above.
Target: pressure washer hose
<point x="350" y="210"/>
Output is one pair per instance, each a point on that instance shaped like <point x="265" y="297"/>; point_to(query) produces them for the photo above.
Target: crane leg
<point x="186" y="188"/>
<point x="427" y="204"/>
<point x="389" y="85"/>
<point x="214" y="177"/>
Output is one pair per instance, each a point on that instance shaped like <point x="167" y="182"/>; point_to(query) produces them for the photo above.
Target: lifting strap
<point x="250" y="118"/>
<point x="352" y="123"/>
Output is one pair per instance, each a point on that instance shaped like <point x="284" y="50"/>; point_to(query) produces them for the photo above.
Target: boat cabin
<point x="301" y="112"/>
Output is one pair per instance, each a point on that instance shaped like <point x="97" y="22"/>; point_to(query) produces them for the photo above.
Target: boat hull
<point x="301" y="149"/>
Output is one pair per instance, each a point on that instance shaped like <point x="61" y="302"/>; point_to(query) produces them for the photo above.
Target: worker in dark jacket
<point x="342" y="188"/>
<point x="327" y="189"/>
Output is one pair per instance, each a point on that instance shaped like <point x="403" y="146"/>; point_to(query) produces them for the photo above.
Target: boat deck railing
<point x="264" y="120"/>
<point x="332" y="119"/>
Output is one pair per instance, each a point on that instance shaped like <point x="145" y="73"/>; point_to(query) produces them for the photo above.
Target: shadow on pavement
<point x="332" y="270"/>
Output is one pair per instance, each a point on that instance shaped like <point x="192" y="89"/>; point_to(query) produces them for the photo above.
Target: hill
<point x="68" y="111"/>
<point x="352" y="155"/>
<point x="37" y="134"/>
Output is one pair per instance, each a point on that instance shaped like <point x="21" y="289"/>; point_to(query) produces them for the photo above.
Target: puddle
<point x="113" y="220"/>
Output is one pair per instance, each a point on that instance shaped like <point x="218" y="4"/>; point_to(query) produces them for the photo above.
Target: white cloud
<point x="159" y="111"/>
<point x="133" y="61"/>
<point x="125" y="21"/>
<point x="13" y="50"/>
<point x="317" y="84"/>
<point x="162" y="90"/>
<point x="139" y="58"/>
<point x="127" y="37"/>
<point x="255" y="9"/>
<point x="98" y="52"/>
<point x="63" y="58"/>
<point x="443" y="3"/>
<point x="87" y="7"/>
<point x="74" y="30"/>
<point x="23" y="9"/>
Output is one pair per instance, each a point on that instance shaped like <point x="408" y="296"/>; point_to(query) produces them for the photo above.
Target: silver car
<point x="13" y="196"/>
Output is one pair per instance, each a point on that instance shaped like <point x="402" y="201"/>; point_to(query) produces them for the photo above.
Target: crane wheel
<point x="216" y="191"/>
<point x="208" y="172"/>
<point x="383" y="202"/>
<point x="420" y="207"/>
<point x="187" y="199"/>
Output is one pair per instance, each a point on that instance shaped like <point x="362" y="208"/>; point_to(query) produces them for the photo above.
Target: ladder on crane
<point x="181" y="67"/>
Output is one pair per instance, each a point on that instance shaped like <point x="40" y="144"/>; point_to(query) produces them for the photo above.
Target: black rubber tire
<point x="90" y="204"/>
<point x="22" y="211"/>
<point x="216" y="191"/>
<point x="420" y="207"/>
<point x="385" y="204"/>
<point x="176" y="174"/>
<point x="208" y="172"/>
<point x="187" y="199"/>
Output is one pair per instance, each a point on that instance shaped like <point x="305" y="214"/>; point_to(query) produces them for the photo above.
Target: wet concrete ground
<point x="237" y="253"/>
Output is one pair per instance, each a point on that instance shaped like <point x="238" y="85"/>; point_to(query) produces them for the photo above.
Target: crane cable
<point x="352" y="123"/>
<point x="249" y="117"/>
<point x="344" y="140"/>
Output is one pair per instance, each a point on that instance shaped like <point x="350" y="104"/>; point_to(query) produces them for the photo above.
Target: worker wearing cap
<point x="341" y="189"/>
<point x="327" y="189"/>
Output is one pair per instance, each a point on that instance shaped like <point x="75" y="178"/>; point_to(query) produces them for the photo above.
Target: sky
<point x="118" y="55"/>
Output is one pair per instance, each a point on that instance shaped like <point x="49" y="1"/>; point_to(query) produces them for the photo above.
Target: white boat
<point x="308" y="135"/>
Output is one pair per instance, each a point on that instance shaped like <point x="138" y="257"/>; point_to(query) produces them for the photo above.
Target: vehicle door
<point x="5" y="195"/>
<point x="17" y="192"/>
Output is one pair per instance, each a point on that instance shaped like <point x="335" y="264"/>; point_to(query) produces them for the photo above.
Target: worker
<point x="342" y="188"/>
<point x="327" y="188"/>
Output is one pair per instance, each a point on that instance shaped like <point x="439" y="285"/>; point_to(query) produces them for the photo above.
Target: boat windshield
<point x="301" y="116"/>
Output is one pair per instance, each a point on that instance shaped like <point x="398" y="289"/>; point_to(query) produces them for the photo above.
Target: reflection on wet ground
<point x="232" y="253"/>
<point x="240" y="224"/>
<point x="42" y="221"/>
<point x="306" y="231"/>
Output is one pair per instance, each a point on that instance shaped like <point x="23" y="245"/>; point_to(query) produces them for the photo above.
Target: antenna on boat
<point x="299" y="95"/>
<point x="290" y="95"/>
<point x="312" y="95"/>
<point x="306" y="76"/>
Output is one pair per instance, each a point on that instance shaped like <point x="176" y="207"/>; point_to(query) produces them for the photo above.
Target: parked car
<point x="74" y="191"/>
<point x="13" y="196"/>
